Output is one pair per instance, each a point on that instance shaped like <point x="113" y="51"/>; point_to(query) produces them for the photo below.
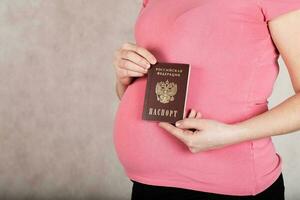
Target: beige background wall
<point x="57" y="100"/>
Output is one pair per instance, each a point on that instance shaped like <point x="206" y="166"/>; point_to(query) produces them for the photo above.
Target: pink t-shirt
<point x="234" y="66"/>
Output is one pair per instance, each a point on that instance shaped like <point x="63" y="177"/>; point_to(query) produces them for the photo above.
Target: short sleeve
<point x="274" y="8"/>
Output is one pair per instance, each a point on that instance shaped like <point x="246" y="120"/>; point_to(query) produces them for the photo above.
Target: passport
<point x="166" y="92"/>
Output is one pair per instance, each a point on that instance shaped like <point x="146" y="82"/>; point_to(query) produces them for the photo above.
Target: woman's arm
<point x="281" y="119"/>
<point x="285" y="117"/>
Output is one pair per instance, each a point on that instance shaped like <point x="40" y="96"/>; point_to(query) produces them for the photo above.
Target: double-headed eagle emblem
<point x="165" y="91"/>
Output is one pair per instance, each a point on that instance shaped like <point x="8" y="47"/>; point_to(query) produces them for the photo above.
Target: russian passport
<point x="166" y="92"/>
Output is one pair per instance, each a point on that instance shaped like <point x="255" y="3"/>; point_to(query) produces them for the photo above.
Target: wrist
<point x="121" y="84"/>
<point x="241" y="132"/>
<point x="120" y="88"/>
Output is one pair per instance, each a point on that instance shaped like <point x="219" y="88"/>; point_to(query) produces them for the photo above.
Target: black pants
<point x="142" y="191"/>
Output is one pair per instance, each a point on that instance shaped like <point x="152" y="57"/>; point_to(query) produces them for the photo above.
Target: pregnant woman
<point x="233" y="47"/>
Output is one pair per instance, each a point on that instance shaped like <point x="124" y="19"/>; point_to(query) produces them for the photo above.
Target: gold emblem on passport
<point x="165" y="91"/>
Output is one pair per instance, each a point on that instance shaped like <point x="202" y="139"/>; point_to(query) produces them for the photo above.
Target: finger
<point x="183" y="135"/>
<point x="127" y="64"/>
<point x="140" y="50"/>
<point x="135" y="58"/>
<point x="192" y="114"/>
<point x="190" y="123"/>
<point x="198" y="115"/>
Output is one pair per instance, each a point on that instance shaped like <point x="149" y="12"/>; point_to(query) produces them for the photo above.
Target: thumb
<point x="191" y="123"/>
<point x="183" y="135"/>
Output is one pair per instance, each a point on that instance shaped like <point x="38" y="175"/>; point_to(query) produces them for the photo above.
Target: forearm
<point x="281" y="119"/>
<point x="120" y="89"/>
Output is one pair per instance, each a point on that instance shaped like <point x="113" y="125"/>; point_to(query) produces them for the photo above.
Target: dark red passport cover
<point x="166" y="92"/>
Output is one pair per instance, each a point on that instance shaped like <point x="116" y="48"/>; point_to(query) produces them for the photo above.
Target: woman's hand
<point x="209" y="134"/>
<point x="132" y="61"/>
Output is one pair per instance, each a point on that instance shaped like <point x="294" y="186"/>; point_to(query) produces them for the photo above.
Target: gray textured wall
<point x="57" y="100"/>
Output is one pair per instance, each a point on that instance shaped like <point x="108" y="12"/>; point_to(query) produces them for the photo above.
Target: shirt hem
<point x="168" y="183"/>
<point x="183" y="185"/>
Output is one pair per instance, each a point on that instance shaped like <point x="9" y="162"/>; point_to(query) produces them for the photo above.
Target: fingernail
<point x="153" y="61"/>
<point x="178" y="123"/>
<point x="148" y="65"/>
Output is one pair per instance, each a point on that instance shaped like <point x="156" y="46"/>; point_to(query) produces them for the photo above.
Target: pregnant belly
<point x="144" y="148"/>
